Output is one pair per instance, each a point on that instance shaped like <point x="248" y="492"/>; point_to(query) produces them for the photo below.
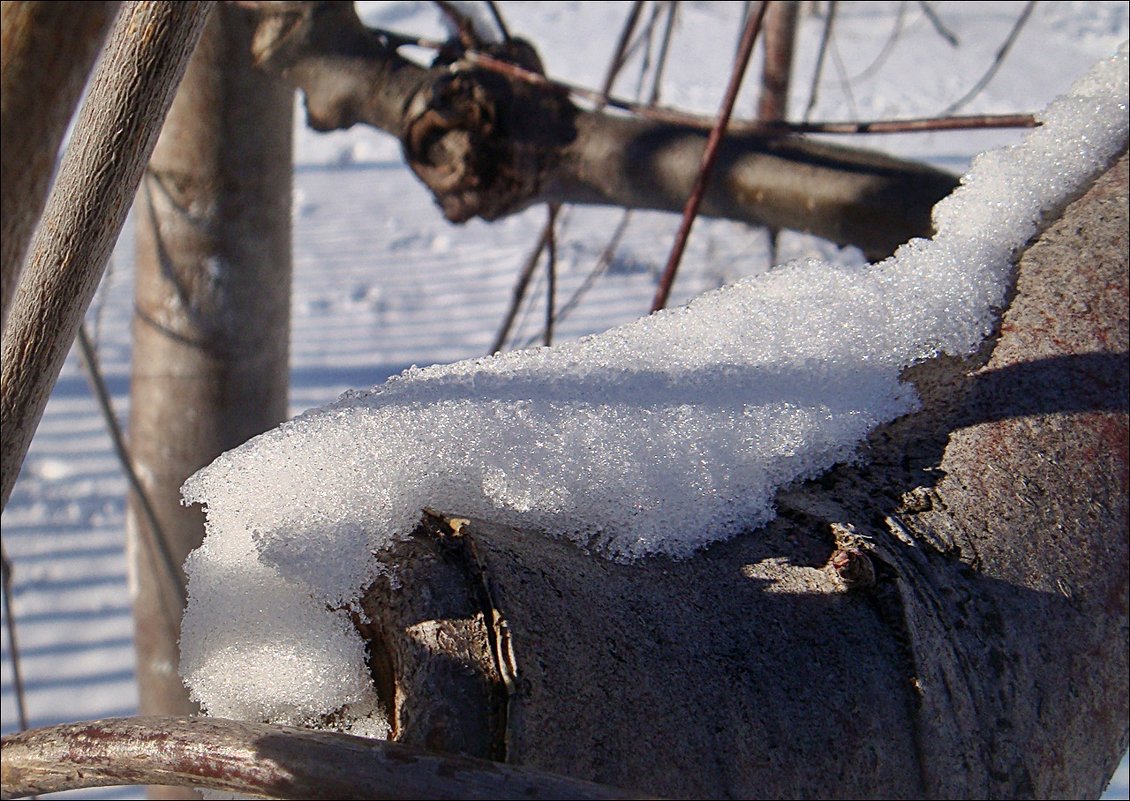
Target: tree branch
<point x="48" y="50"/>
<point x="490" y="138"/>
<point x="114" y="134"/>
<point x="264" y="760"/>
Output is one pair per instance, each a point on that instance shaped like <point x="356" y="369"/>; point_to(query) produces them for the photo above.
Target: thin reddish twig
<point x="709" y="156"/>
<point x="663" y="114"/>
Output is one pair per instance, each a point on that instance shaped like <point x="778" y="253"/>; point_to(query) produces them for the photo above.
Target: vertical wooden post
<point x="211" y="324"/>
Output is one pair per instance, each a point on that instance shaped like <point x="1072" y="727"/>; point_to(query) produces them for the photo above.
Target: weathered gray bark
<point x="115" y="132"/>
<point x="490" y="145"/>
<point x="212" y="314"/>
<point x="46" y="52"/>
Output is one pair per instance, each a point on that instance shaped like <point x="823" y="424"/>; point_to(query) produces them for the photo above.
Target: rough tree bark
<point x="488" y="144"/>
<point x="946" y="620"/>
<point x="212" y="315"/>
<point x="46" y="52"/>
<point x="115" y="132"/>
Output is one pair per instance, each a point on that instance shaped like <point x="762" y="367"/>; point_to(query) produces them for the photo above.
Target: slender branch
<point x="117" y="438"/>
<point x="550" y="273"/>
<point x="709" y="156"/>
<point x="936" y="21"/>
<point x="829" y="22"/>
<point x="997" y="61"/>
<point x="262" y="759"/>
<point x="597" y="270"/>
<point x="619" y="56"/>
<point x="664" y="48"/>
<point x="519" y="292"/>
<point x="498" y="20"/>
<point x="13" y="642"/>
<point x="114" y="135"/>
<point x="704" y="122"/>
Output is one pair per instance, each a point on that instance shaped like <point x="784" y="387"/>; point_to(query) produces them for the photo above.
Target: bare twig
<point x="997" y="61"/>
<point x="887" y="48"/>
<point x="519" y="292"/>
<point x="936" y="21"/>
<point x="105" y="405"/>
<point x="597" y="270"/>
<point x="664" y="48"/>
<point x="619" y="57"/>
<point x="829" y="22"/>
<point x="663" y="114"/>
<point x="13" y="642"/>
<point x="264" y="760"/>
<point x="498" y="20"/>
<point x="709" y="155"/>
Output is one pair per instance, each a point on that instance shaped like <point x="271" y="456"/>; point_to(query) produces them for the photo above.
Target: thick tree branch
<point x="490" y="144"/>
<point x="264" y="760"/>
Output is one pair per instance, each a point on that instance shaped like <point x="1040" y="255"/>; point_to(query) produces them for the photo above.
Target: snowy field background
<point x="381" y="281"/>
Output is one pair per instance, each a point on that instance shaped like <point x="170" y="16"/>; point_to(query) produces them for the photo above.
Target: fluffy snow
<point x="656" y="437"/>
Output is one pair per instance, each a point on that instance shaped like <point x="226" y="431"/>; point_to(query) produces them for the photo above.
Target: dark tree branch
<point x="264" y="760"/>
<point x="489" y="144"/>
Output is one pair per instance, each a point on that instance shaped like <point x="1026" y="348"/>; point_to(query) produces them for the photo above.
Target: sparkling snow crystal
<point x="653" y="438"/>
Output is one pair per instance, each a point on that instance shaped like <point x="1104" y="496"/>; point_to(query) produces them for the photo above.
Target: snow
<point x="656" y="437"/>
<point x="381" y="282"/>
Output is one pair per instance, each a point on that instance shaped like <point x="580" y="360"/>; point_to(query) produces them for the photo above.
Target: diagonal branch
<point x="114" y="134"/>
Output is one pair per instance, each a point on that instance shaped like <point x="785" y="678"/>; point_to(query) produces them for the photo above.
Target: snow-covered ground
<point x="381" y="281"/>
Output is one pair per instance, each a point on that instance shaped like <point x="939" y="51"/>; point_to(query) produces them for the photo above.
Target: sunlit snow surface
<point x="656" y="437"/>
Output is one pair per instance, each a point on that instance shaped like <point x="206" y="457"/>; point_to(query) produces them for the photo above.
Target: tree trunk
<point x="46" y="52"/>
<point x="211" y="326"/>
<point x="114" y="135"/>
<point x="947" y="620"/>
